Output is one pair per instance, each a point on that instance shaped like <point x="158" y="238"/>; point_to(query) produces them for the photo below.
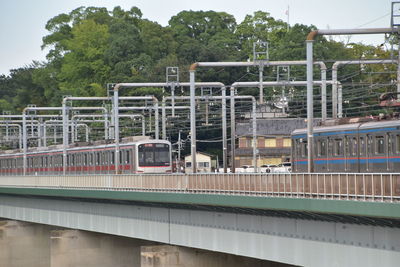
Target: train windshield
<point x="154" y="155"/>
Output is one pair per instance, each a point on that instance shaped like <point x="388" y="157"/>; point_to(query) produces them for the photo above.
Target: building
<point x="273" y="140"/>
<point x="203" y="162"/>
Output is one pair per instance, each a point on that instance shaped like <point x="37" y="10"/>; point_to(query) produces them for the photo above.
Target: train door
<point x="355" y="146"/>
<point x="112" y="162"/>
<point x="106" y="161"/>
<point x="390" y="150"/>
<point x="90" y="165"/>
<point x="126" y="161"/>
<point x="396" y="150"/>
<point x="46" y="164"/>
<point x="134" y="159"/>
<point x="97" y="162"/>
<point x="380" y="161"/>
<point x="50" y="165"/>
<point x="129" y="160"/>
<point x="338" y="161"/>
<point x="321" y="163"/>
<point x="107" y="155"/>
<point x="369" y="154"/>
<point x="346" y="154"/>
<point x="329" y="155"/>
<point x="82" y="163"/>
<point x="351" y="147"/>
<point x="361" y="153"/>
<point x="102" y="162"/>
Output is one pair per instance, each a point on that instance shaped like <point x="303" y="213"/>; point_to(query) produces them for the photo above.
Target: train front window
<point x="154" y="155"/>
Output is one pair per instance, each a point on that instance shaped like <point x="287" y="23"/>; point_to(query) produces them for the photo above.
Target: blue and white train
<point x="357" y="147"/>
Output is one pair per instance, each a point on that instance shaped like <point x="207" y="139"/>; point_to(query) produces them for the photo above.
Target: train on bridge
<point x="355" y="147"/>
<point x="143" y="156"/>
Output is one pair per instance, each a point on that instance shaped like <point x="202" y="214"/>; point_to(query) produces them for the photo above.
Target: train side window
<point x="128" y="158"/>
<point x="85" y="159"/>
<point x="112" y="157"/>
<point x="338" y="147"/>
<point x="97" y="158"/>
<point x="379" y="144"/>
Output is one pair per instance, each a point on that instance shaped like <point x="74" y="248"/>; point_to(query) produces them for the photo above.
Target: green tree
<point x="84" y="71"/>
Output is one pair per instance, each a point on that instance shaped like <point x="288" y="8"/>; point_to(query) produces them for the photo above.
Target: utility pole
<point x="179" y="151"/>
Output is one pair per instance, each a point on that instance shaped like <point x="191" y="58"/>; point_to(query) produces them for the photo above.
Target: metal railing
<point x="346" y="186"/>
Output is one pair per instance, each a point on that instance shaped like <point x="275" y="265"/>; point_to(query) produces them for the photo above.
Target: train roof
<point x="352" y="126"/>
<point x="324" y="129"/>
<point x="378" y="124"/>
<point x="59" y="149"/>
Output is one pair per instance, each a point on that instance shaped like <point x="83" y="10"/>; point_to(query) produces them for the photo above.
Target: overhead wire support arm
<point x="309" y="51"/>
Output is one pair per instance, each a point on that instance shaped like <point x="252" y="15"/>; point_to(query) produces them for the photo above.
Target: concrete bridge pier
<point x="88" y="249"/>
<point x="175" y="256"/>
<point x="24" y="244"/>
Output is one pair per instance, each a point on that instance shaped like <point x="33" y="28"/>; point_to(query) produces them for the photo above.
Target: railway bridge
<point x="336" y="219"/>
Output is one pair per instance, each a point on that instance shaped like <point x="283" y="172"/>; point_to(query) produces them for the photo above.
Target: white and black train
<point x="357" y="147"/>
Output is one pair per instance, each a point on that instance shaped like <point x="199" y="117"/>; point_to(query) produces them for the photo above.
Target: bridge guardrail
<point x="355" y="186"/>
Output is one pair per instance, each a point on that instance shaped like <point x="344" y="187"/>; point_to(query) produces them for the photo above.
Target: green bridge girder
<point x="363" y="212"/>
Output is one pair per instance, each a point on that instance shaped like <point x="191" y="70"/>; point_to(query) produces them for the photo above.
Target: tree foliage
<point x="91" y="46"/>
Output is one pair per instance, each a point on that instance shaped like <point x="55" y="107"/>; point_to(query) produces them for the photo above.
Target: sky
<point x="22" y="22"/>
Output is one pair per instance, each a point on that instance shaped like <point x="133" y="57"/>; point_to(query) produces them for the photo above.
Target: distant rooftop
<point x="281" y="126"/>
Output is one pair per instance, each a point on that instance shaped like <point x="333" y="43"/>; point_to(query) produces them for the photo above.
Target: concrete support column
<point x="174" y="256"/>
<point x="89" y="249"/>
<point x="24" y="244"/>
